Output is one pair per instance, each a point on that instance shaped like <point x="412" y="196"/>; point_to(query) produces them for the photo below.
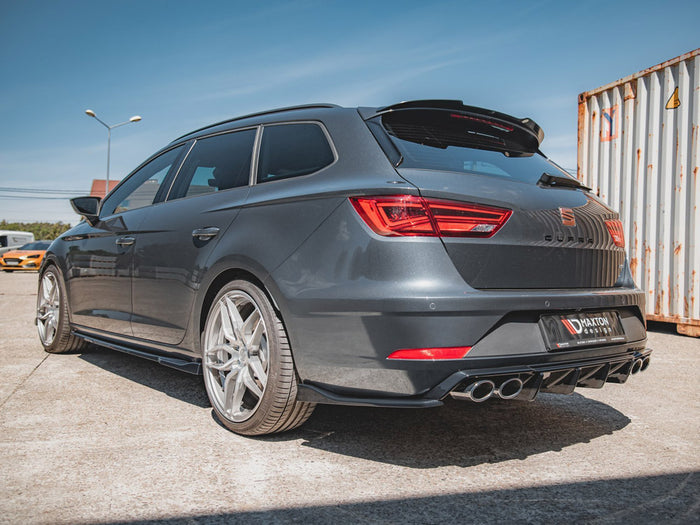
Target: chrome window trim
<point x="256" y="157"/>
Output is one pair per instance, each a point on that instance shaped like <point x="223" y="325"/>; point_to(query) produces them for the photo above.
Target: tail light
<point x="406" y="215"/>
<point x="431" y="354"/>
<point x="615" y="229"/>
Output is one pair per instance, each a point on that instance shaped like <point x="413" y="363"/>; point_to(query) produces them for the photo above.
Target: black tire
<point x="8" y="271"/>
<point x="250" y="358"/>
<point x="56" y="339"/>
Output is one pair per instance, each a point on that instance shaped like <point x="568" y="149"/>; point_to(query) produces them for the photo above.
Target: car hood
<point x="22" y="253"/>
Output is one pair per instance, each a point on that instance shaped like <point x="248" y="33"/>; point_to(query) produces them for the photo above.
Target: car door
<point x="100" y="257"/>
<point x="178" y="235"/>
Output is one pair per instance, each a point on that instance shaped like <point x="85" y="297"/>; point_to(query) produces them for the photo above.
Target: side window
<point x="142" y="186"/>
<point x="292" y="150"/>
<point x="216" y="163"/>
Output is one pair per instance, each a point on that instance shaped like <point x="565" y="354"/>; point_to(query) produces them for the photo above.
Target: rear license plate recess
<point x="566" y="331"/>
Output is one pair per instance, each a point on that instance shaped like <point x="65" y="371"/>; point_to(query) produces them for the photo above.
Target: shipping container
<point x="638" y="142"/>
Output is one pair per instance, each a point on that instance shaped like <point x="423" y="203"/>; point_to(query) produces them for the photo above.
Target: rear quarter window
<point x="293" y="150"/>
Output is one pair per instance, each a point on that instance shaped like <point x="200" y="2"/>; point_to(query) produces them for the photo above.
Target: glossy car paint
<point x="349" y="297"/>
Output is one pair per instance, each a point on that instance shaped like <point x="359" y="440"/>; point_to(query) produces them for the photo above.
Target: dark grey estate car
<point x="387" y="257"/>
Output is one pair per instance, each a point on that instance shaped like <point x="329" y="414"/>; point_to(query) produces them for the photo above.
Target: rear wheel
<point x="248" y="368"/>
<point x="52" y="315"/>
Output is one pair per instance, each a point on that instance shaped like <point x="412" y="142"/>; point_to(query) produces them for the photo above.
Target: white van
<point x="9" y="240"/>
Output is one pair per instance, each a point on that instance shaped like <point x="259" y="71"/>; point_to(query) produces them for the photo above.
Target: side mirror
<point x="88" y="207"/>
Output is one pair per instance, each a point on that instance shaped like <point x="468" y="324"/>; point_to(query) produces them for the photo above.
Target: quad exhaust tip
<point x="481" y="390"/>
<point x="645" y="363"/>
<point x="478" y="391"/>
<point x="637" y="365"/>
<point x="510" y="388"/>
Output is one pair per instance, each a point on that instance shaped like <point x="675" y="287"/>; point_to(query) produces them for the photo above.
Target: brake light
<point x="618" y="235"/>
<point x="467" y="220"/>
<point x="432" y="354"/>
<point x="483" y="121"/>
<point x="407" y="215"/>
<point x="397" y="215"/>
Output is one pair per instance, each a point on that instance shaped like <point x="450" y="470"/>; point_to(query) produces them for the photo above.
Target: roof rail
<point x="260" y="113"/>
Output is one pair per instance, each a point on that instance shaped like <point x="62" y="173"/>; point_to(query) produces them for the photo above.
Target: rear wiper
<point x="560" y="181"/>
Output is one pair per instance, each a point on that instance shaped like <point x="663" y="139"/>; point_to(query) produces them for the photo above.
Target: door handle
<point x="125" y="241"/>
<point x="204" y="234"/>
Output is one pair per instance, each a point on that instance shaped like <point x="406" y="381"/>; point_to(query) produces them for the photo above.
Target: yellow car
<point x="27" y="257"/>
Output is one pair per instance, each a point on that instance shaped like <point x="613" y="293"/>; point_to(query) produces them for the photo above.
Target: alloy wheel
<point x="236" y="356"/>
<point x="49" y="308"/>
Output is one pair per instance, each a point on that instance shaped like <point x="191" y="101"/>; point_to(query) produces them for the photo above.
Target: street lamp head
<point x="90" y="113"/>
<point x="135" y="118"/>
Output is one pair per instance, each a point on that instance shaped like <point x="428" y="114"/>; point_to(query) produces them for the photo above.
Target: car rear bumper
<point x="342" y="346"/>
<point x="520" y="382"/>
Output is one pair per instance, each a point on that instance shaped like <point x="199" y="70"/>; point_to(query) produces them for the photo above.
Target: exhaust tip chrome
<point x="636" y="366"/>
<point x="478" y="391"/>
<point x="510" y="388"/>
<point x="481" y="390"/>
<point x="645" y="363"/>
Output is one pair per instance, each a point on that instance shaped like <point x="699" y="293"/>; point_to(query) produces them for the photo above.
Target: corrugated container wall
<point x="638" y="142"/>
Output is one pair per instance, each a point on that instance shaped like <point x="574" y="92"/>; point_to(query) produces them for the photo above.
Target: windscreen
<point x="450" y="141"/>
<point x="38" y="245"/>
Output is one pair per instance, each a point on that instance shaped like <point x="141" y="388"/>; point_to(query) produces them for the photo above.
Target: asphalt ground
<point x="102" y="437"/>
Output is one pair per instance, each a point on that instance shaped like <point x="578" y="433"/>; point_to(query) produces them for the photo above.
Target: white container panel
<point x="638" y="143"/>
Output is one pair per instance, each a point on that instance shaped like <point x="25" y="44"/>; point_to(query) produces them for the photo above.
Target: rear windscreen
<point x="449" y="141"/>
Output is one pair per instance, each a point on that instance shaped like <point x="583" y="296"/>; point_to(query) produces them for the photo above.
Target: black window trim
<point x="256" y="158"/>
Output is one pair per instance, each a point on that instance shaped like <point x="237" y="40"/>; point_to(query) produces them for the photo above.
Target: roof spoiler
<point x="526" y="124"/>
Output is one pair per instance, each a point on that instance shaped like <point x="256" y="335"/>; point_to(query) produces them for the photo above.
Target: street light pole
<point x="91" y="113"/>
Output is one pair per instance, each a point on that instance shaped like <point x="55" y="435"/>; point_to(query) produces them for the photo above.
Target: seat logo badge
<point x="567" y="216"/>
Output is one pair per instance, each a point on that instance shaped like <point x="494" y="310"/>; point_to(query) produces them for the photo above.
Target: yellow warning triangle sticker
<point x="674" y="101"/>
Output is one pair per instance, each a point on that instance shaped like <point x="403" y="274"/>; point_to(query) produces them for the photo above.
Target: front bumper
<point x="21" y="264"/>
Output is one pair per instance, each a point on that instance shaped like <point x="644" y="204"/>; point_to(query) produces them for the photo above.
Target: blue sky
<point x="183" y="65"/>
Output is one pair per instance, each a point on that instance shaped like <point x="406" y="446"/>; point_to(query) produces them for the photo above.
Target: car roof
<point x="237" y="120"/>
<point x="312" y="110"/>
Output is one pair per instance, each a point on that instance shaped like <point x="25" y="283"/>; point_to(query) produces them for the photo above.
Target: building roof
<point x="98" y="187"/>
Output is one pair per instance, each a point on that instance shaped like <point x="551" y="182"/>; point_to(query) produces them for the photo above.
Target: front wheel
<point x="248" y="368"/>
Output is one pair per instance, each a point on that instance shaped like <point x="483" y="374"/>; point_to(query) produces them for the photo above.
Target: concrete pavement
<point x="105" y="437"/>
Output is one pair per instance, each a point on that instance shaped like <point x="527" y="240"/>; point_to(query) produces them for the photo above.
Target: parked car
<point x="10" y="240"/>
<point x="27" y="257"/>
<point x="386" y="257"/>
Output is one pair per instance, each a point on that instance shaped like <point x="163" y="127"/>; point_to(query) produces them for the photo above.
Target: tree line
<point x="42" y="230"/>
